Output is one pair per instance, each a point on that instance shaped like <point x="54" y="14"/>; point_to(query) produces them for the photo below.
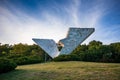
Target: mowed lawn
<point x="71" y="70"/>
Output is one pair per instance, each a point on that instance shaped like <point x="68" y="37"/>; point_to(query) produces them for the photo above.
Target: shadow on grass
<point x="12" y="74"/>
<point x="21" y="74"/>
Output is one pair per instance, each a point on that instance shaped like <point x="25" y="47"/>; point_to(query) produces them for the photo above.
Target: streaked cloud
<point x="18" y="26"/>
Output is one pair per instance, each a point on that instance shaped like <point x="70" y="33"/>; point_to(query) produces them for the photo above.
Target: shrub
<point x="28" y="60"/>
<point x="7" y="65"/>
<point x="70" y="57"/>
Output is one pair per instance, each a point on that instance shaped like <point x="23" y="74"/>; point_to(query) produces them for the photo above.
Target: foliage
<point x="4" y="49"/>
<point x="7" y="65"/>
<point x="22" y="53"/>
<point x="115" y="51"/>
<point x="71" y="57"/>
<point x="95" y="51"/>
<point x="28" y="60"/>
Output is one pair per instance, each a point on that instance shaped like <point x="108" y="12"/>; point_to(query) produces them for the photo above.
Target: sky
<point x="22" y="20"/>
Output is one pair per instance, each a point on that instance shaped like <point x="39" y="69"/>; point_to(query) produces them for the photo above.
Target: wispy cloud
<point x="16" y="26"/>
<point x="90" y="16"/>
<point x="22" y="28"/>
<point x="85" y="15"/>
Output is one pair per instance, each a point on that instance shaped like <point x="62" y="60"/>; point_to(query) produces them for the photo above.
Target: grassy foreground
<point x="72" y="70"/>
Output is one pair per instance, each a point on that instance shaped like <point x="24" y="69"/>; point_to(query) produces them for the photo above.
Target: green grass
<point x="72" y="70"/>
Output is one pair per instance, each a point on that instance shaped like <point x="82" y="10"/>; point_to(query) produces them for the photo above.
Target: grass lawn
<point x="72" y="70"/>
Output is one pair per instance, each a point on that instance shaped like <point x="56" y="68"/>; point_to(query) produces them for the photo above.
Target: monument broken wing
<point x="75" y="37"/>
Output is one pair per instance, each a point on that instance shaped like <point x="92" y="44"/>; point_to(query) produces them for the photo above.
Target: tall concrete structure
<point x="75" y="37"/>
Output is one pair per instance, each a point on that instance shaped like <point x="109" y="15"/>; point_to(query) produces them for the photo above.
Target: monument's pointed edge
<point x="75" y="37"/>
<point x="48" y="45"/>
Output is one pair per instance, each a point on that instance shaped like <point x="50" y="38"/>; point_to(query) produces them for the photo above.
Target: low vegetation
<point x="71" y="70"/>
<point x="19" y="54"/>
<point x="7" y="65"/>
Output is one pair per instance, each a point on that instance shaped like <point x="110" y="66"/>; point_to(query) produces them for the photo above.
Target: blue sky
<point x="22" y="20"/>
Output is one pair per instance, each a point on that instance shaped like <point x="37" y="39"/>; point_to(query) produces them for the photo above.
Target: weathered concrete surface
<point x="74" y="38"/>
<point x="49" y="46"/>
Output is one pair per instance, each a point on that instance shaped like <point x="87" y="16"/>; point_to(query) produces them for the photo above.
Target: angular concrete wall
<point x="48" y="45"/>
<point x="75" y="37"/>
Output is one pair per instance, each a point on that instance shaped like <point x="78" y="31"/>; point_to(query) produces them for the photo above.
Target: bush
<point x="7" y="65"/>
<point x="28" y="60"/>
<point x="70" y="57"/>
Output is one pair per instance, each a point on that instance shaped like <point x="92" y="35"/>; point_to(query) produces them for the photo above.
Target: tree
<point x="115" y="50"/>
<point x="4" y="49"/>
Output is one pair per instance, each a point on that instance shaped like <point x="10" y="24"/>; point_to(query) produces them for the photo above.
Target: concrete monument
<point x="74" y="38"/>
